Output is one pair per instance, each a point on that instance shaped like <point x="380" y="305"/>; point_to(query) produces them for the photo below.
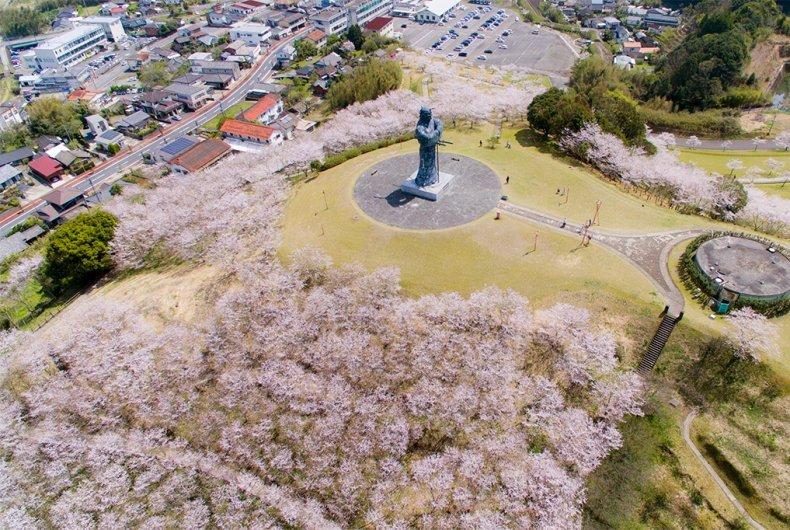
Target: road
<point x="126" y="159"/>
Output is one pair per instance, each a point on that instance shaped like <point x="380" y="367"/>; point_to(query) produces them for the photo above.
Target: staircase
<point x="660" y="339"/>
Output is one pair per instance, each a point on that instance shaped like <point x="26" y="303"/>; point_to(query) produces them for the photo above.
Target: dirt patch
<point x="182" y="293"/>
<point x="768" y="60"/>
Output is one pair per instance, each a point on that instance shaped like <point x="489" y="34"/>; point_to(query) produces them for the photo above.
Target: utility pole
<point x="326" y="204"/>
<point x="596" y="220"/>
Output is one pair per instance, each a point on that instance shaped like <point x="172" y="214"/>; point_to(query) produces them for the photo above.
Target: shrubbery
<point x="710" y="123"/>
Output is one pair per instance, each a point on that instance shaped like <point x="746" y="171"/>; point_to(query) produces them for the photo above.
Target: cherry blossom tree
<point x="693" y="142"/>
<point x="751" y="335"/>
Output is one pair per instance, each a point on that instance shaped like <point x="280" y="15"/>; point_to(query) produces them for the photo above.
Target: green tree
<point x="49" y="115"/>
<point x="370" y="45"/>
<point x="618" y="115"/>
<point x="366" y="82"/>
<point x="305" y="49"/>
<point x="541" y="111"/>
<point x="15" y="137"/>
<point x="78" y="252"/>
<point x="354" y="34"/>
<point x="155" y="74"/>
<point x="21" y="22"/>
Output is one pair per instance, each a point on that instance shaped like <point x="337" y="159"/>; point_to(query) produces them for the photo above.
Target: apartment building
<point x="361" y="12"/>
<point x="331" y="21"/>
<point x="113" y="29"/>
<point x="67" y="49"/>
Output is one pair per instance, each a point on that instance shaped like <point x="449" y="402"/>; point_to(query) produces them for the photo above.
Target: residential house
<point x="192" y="96"/>
<point x="61" y="204"/>
<point x="305" y="71"/>
<point x="332" y="21"/>
<point x="199" y="156"/>
<point x="655" y="19"/>
<point x="108" y="138"/>
<point x="208" y="40"/>
<point x="46" y="142"/>
<point x="244" y="55"/>
<point x="265" y="110"/>
<point x="17" y="157"/>
<point x="252" y="34"/>
<point x="285" y="56"/>
<point x="217" y="67"/>
<point x="12" y="113"/>
<point x="46" y="167"/>
<point x="163" y="54"/>
<point x="133" y="24"/>
<point x="216" y="81"/>
<point x="97" y="124"/>
<point x="347" y="47"/>
<point x="623" y="61"/>
<point x="9" y="175"/>
<point x="198" y="57"/>
<point x="321" y="87"/>
<point x="248" y="132"/>
<point x="69" y="158"/>
<point x="632" y="21"/>
<point x="241" y="8"/>
<point x="317" y="37"/>
<point x="631" y="48"/>
<point x="621" y="34"/>
<point x="192" y="30"/>
<point x="384" y="26"/>
<point x="218" y="20"/>
<point x="291" y="23"/>
<point x="159" y="104"/>
<point x="133" y="123"/>
<point x="331" y="59"/>
<point x="92" y="98"/>
<point x="171" y="150"/>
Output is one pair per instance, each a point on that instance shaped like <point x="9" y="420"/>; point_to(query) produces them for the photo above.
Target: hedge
<point x="707" y="123"/>
<point x="693" y="278"/>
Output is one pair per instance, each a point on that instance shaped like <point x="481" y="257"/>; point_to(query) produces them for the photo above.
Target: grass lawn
<point x="716" y="161"/>
<point x="7" y="85"/>
<point x="536" y="176"/>
<point x="780" y="190"/>
<point x="230" y="112"/>
<point x="462" y="259"/>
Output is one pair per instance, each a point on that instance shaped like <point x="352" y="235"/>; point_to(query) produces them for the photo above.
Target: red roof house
<point x="249" y="132"/>
<point x="381" y="25"/>
<point x="265" y="110"/>
<point x="317" y="37"/>
<point x="46" y="167"/>
<point x="200" y="156"/>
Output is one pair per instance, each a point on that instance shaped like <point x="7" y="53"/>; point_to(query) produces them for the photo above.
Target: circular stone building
<point x="742" y="269"/>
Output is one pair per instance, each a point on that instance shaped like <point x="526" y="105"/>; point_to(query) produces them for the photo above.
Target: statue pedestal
<point x="431" y="192"/>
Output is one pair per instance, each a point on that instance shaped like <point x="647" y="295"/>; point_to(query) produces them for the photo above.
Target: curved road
<point x="128" y="158"/>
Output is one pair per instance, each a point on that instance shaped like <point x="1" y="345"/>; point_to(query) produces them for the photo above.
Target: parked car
<point x="481" y="57"/>
<point x="463" y="54"/>
<point x="489" y="50"/>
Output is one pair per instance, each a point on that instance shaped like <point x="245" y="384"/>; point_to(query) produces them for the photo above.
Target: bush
<point x="78" y="252"/>
<point x="709" y="123"/>
<point x="743" y="97"/>
<point x="348" y="154"/>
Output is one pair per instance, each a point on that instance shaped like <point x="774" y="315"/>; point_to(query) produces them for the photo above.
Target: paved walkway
<point x="647" y="252"/>
<point x="731" y="145"/>
<point x="712" y="472"/>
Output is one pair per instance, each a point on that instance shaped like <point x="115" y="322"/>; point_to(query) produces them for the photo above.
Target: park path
<point x="712" y="472"/>
<point x="647" y="252"/>
<point x="732" y="145"/>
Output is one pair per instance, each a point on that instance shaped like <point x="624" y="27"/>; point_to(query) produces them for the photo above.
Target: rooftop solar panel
<point x="178" y="145"/>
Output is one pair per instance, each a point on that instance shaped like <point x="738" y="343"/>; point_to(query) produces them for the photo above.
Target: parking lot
<point x="536" y="49"/>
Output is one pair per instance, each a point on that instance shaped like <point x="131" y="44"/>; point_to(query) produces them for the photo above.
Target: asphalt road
<point x="126" y="159"/>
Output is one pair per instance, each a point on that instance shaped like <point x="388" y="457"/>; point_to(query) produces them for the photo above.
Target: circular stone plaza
<point x="745" y="267"/>
<point x="473" y="192"/>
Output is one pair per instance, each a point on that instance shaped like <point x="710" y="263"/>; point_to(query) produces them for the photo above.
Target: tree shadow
<point x="397" y="198"/>
<point x="530" y="138"/>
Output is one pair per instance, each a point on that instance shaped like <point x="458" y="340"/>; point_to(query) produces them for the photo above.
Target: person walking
<point x="507" y="179"/>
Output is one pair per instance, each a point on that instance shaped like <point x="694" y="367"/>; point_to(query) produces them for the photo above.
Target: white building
<point x="67" y="49"/>
<point x="113" y="29"/>
<point x="10" y="114"/>
<point x="331" y="21"/>
<point x="623" y="61"/>
<point x="360" y="12"/>
<point x="434" y="10"/>
<point x="252" y="34"/>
